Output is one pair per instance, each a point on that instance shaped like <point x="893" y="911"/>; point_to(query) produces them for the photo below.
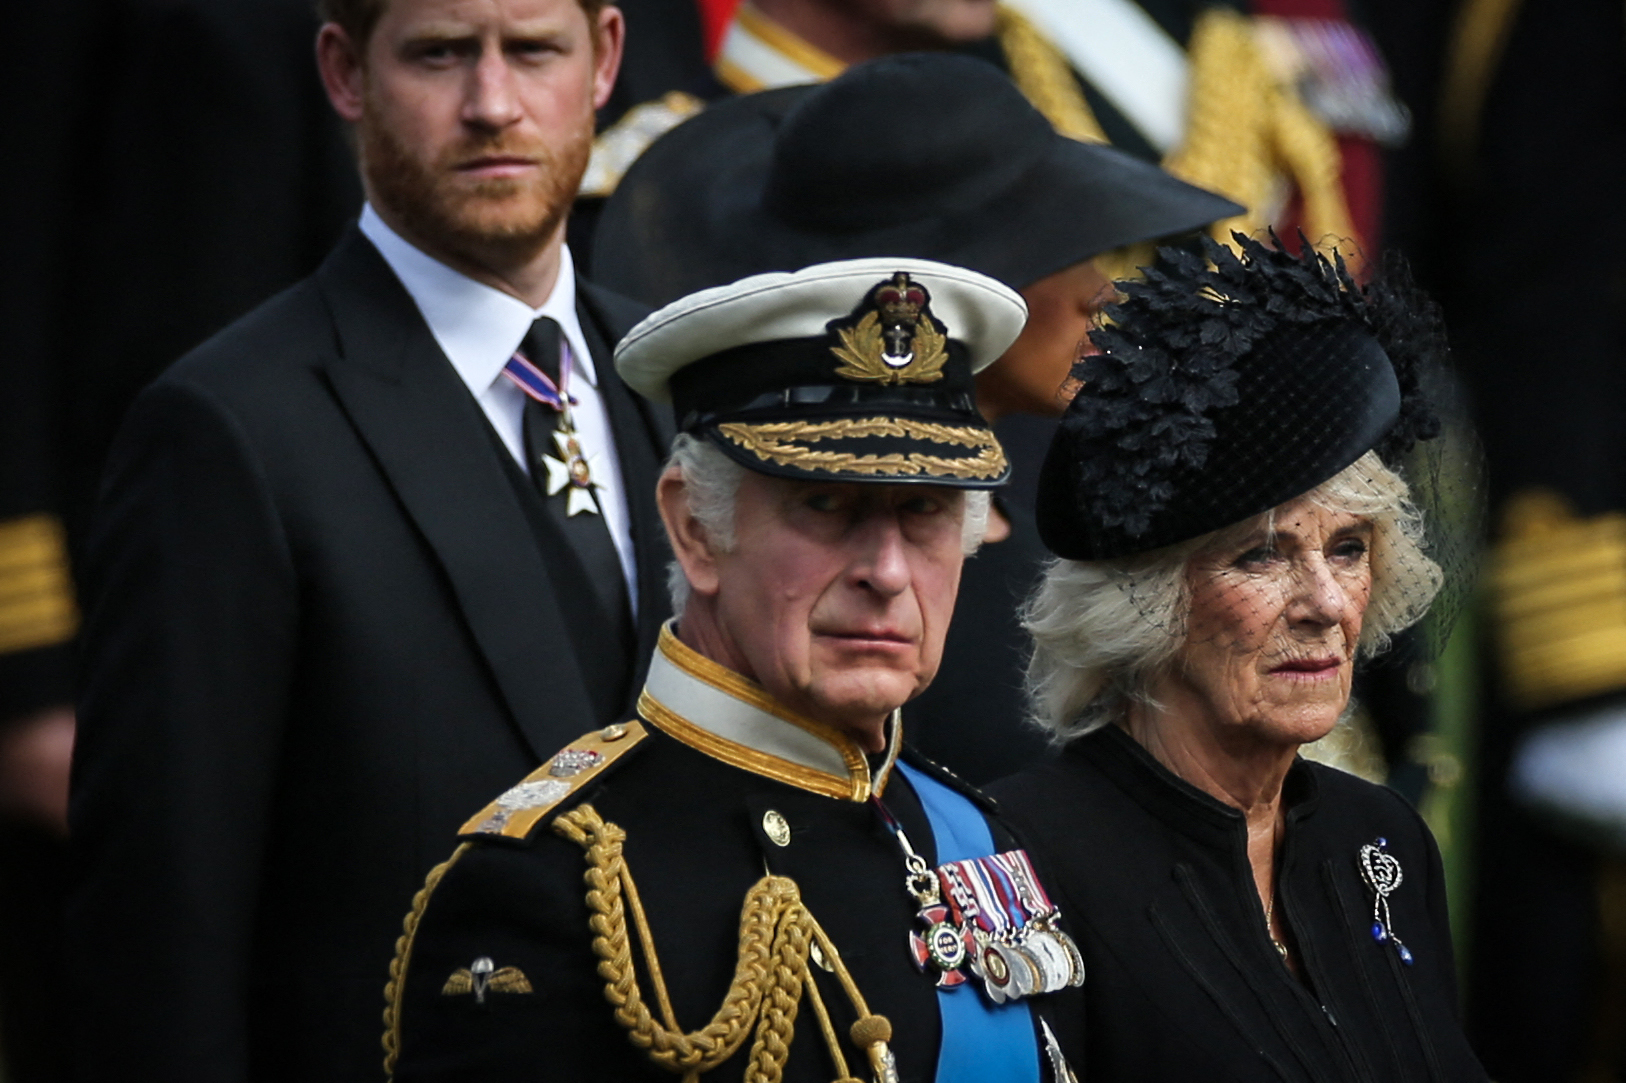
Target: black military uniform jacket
<point x="1184" y="982"/>
<point x="707" y="811"/>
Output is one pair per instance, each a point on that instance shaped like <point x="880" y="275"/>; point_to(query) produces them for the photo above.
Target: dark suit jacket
<point x="1183" y="982"/>
<point x="323" y="630"/>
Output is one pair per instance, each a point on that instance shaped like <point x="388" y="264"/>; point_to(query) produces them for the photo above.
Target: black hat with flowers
<point x="1231" y="382"/>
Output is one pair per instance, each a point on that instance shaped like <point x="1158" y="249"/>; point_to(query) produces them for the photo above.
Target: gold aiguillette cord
<point x="770" y="975"/>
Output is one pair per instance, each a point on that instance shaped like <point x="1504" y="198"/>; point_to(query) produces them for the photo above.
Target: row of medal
<point x="992" y="917"/>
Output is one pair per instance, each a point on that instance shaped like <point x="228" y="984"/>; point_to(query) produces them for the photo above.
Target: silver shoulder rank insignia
<point x="619" y="145"/>
<point x="896" y="341"/>
<point x="518" y="809"/>
<point x="481" y="977"/>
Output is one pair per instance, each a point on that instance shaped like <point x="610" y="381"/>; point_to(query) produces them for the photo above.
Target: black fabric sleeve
<point x="524" y="911"/>
<point x="188" y="652"/>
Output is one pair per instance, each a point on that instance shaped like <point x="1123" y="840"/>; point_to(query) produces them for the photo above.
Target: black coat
<point x="322" y="628"/>
<point x="1183" y="981"/>
<point x="695" y="844"/>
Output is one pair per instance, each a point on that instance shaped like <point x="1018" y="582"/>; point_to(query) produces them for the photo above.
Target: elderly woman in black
<point x="1228" y="503"/>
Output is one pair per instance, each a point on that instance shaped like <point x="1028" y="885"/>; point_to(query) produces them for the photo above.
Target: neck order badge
<point x="571" y="471"/>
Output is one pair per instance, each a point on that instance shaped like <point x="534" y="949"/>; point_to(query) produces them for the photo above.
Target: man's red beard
<point x="510" y="217"/>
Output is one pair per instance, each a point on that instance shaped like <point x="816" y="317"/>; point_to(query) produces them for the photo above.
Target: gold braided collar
<point x="758" y="53"/>
<point x="731" y="718"/>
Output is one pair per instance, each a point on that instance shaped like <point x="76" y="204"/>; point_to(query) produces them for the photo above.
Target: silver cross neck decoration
<point x="572" y="470"/>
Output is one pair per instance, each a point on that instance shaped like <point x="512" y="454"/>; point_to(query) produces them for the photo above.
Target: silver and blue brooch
<point x="1382" y="873"/>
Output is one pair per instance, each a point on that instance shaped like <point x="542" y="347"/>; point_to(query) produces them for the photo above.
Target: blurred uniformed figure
<point x="973" y="176"/>
<point x="1533" y="130"/>
<point x="1264" y="110"/>
<point x="756" y="875"/>
<point x="53" y="72"/>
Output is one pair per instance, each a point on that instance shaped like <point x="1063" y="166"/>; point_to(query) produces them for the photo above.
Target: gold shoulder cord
<point x="770" y="977"/>
<point x="1243" y="128"/>
<point x="1045" y="78"/>
<point x="1478" y="42"/>
<point x="396" y="986"/>
<point x="1243" y="132"/>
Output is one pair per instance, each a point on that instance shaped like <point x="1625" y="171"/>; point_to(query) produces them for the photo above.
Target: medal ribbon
<point x="1019" y="867"/>
<point x="982" y="1041"/>
<point x="1000" y="893"/>
<point x="538" y="384"/>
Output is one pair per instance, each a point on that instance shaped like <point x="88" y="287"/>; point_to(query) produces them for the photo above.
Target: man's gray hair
<point x="712" y="481"/>
<point x="1104" y="629"/>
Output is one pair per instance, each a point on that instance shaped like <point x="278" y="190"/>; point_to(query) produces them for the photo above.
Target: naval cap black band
<point x="793" y="376"/>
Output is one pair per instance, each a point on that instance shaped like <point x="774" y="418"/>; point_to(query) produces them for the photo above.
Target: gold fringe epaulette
<point x="1558" y="590"/>
<point x="517" y="812"/>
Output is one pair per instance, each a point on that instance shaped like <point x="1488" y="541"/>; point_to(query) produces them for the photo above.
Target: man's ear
<point x="691" y="544"/>
<point x="340" y="63"/>
<point x="610" y="36"/>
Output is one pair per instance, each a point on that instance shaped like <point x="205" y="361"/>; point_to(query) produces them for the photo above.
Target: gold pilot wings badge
<point x="896" y="340"/>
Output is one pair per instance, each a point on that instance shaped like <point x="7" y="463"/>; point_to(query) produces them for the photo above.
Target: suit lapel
<point x="431" y="441"/>
<point x="642" y="437"/>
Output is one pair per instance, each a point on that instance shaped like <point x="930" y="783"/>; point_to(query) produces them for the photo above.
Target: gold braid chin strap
<point x="777" y="933"/>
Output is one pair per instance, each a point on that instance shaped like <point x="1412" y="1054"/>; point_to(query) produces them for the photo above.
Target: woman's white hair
<point x="1103" y="629"/>
<point x="712" y="481"/>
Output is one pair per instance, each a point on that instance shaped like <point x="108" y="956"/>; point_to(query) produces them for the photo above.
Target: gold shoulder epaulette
<point x="619" y="145"/>
<point x="518" y="810"/>
<point x="36" y="589"/>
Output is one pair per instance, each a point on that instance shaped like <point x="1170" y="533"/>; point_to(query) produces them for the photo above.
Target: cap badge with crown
<point x="892" y="337"/>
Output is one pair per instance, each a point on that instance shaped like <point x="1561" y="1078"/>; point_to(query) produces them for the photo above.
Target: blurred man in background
<point x="1533" y="135"/>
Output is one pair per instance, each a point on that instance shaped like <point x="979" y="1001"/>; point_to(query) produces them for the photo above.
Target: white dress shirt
<point x="479" y="328"/>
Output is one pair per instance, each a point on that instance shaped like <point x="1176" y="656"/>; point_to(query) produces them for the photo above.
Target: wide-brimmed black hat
<point x="928" y="155"/>
<point x="858" y="370"/>
<point x="1230" y="384"/>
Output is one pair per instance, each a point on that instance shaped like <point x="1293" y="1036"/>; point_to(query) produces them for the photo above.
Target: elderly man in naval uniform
<point x="755" y="877"/>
